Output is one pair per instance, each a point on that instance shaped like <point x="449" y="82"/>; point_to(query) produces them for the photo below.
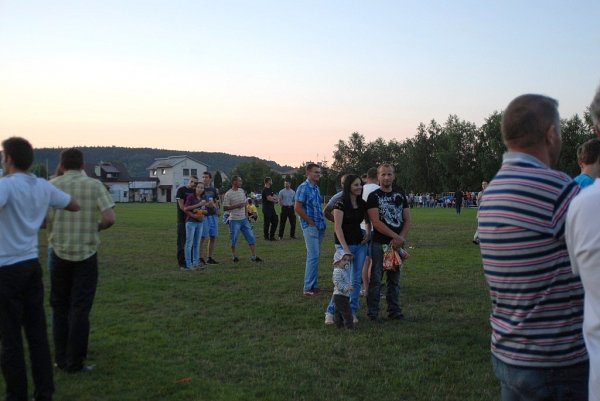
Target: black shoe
<point x="202" y="262"/>
<point x="256" y="259"/>
<point x="211" y="261"/>
<point x="476" y="241"/>
<point x="293" y="238"/>
<point x="399" y="316"/>
<point x="83" y="369"/>
<point x="236" y="259"/>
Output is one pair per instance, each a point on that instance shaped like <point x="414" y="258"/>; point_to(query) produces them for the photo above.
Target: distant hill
<point x="137" y="159"/>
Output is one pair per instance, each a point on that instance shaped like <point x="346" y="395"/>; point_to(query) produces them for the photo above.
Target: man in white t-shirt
<point x="24" y="202"/>
<point x="234" y="202"/>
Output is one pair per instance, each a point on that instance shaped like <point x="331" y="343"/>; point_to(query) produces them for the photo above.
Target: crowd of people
<point x="537" y="232"/>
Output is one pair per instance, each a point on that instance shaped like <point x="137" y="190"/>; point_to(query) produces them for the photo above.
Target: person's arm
<point x="107" y="219"/>
<point x="300" y="211"/>
<point x="228" y="207"/>
<point x="180" y="203"/>
<point x="195" y="206"/>
<point x="73" y="205"/>
<point x="406" y="221"/>
<point x="338" y="218"/>
<point x="368" y="229"/>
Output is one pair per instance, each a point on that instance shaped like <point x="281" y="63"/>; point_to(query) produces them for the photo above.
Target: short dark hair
<point x="268" y="179"/>
<point x="589" y="152"/>
<point x="527" y="119"/>
<point x="372" y="173"/>
<point x="310" y="166"/>
<point x="20" y="152"/>
<point x="194" y="177"/>
<point x="71" y="159"/>
<point x="208" y="173"/>
<point x="385" y="165"/>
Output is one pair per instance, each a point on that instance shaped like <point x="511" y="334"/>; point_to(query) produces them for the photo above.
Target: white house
<point x="114" y="176"/>
<point x="173" y="172"/>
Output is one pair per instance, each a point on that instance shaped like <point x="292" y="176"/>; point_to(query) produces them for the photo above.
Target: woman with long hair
<point x="350" y="238"/>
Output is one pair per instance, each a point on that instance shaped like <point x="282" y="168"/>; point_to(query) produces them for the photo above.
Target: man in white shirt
<point x="583" y="242"/>
<point x="24" y="202"/>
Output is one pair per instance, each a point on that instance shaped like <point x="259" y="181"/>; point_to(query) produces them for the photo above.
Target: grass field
<point x="245" y="332"/>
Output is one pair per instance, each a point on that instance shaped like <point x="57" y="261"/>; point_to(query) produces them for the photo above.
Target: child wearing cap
<point x="342" y="288"/>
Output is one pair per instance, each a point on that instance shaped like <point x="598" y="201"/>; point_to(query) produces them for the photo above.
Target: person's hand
<point x="365" y="238"/>
<point x="397" y="242"/>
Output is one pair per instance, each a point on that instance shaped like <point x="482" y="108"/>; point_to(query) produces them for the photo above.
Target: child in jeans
<point x="342" y="288"/>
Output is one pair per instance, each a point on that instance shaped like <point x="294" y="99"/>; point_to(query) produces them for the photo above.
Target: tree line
<point x="450" y="156"/>
<point x="439" y="158"/>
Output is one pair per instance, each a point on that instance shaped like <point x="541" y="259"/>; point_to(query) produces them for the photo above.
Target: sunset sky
<point x="281" y="80"/>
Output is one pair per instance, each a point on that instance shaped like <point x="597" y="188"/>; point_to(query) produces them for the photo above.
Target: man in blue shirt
<point x="308" y="207"/>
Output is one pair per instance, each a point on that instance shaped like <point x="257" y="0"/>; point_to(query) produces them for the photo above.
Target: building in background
<point x="173" y="172"/>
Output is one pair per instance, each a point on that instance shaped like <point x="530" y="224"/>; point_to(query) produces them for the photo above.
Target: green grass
<point x="245" y="332"/>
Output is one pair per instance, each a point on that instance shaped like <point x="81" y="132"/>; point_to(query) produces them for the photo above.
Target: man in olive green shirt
<point x="74" y="239"/>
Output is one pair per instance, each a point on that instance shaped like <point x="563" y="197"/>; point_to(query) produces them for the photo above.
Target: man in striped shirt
<point x="537" y="345"/>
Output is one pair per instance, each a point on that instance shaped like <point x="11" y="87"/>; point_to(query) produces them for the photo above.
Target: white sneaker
<point x="329" y="318"/>
<point x="354" y="319"/>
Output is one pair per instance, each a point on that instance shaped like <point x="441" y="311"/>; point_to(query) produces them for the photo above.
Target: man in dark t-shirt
<point x="182" y="193"/>
<point x="269" y="198"/>
<point x="389" y="213"/>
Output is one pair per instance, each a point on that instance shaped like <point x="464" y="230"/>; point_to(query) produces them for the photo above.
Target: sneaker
<point x="354" y="319"/>
<point x="236" y="259"/>
<point x="476" y="241"/>
<point x="293" y="238"/>
<point x="211" y="261"/>
<point x="329" y="318"/>
<point x="363" y="293"/>
<point x="317" y="291"/>
<point x="202" y="262"/>
<point x="308" y="293"/>
<point x="256" y="259"/>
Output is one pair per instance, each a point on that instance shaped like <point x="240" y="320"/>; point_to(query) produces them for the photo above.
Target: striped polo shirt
<point x="537" y="303"/>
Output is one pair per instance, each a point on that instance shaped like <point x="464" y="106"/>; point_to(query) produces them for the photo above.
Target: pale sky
<point x="281" y="80"/>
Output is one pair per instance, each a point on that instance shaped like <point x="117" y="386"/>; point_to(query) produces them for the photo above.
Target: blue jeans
<point x="393" y="285"/>
<point x="193" y="233"/>
<point x="360" y="252"/>
<point x="235" y="226"/>
<point x="312" y="238"/>
<point x="569" y="383"/>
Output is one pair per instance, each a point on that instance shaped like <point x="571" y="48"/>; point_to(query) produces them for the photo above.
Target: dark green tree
<point x="574" y="132"/>
<point x="218" y="180"/>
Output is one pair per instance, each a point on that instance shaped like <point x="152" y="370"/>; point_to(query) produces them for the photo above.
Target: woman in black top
<point x="350" y="238"/>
